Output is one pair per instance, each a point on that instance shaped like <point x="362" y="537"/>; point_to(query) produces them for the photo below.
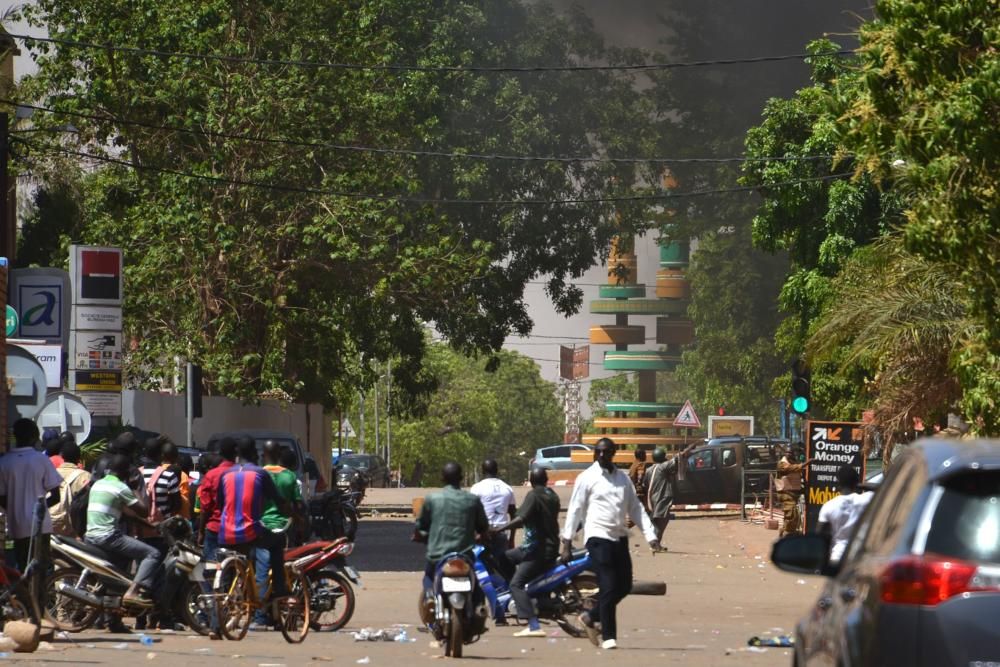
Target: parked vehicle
<point x="455" y="609"/>
<point x="561" y="594"/>
<point x="334" y="514"/>
<point x="330" y="577"/>
<point x="370" y="465"/>
<point x="919" y="582"/>
<point x="711" y="472"/>
<point x="86" y="582"/>
<point x="339" y="453"/>
<point x="558" y="457"/>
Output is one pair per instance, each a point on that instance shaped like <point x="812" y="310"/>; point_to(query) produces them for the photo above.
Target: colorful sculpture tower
<point x="643" y="423"/>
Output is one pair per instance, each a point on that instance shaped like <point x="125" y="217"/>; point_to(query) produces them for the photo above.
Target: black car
<point x="919" y="583"/>
<point x="373" y="467"/>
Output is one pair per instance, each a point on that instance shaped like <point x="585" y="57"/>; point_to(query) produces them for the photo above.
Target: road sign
<point x="11" y="321"/>
<point x="346" y="430"/>
<point x="687" y="417"/>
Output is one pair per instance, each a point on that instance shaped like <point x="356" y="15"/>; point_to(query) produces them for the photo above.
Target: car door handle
<point x="848" y="594"/>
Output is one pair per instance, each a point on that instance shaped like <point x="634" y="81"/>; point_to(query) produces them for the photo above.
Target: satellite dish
<point x="64" y="411"/>
<point x="26" y="383"/>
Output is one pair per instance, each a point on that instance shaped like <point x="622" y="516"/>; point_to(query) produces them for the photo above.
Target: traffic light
<point x="801" y="401"/>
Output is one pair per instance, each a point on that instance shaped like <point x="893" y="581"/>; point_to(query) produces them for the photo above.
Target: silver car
<point x="558" y="457"/>
<point x="919" y="583"/>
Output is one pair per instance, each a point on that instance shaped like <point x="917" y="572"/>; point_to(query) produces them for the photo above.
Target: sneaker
<point x="116" y="626"/>
<point x="259" y="627"/>
<point x="528" y="632"/>
<point x="609" y="644"/>
<point x="591" y="629"/>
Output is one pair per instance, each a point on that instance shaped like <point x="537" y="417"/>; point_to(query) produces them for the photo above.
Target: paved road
<point x="720" y="592"/>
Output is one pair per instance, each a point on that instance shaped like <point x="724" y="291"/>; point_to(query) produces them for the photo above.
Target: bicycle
<point x="237" y="598"/>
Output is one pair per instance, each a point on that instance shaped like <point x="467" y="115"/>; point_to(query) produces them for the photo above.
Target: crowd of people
<point x="130" y="491"/>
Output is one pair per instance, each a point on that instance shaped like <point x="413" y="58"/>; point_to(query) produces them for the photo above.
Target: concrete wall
<point x="164" y="413"/>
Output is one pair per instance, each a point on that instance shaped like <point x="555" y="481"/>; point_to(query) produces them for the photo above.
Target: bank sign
<point x="830" y="445"/>
<point x="41" y="298"/>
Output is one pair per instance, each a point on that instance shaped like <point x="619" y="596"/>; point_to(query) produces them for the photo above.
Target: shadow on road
<point x="385" y="546"/>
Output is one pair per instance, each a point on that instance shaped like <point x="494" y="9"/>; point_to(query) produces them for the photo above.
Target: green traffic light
<point x="800" y="404"/>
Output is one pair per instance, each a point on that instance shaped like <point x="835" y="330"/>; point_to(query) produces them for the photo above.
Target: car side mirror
<point x="803" y="554"/>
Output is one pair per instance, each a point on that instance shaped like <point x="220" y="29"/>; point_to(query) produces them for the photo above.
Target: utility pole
<point x="361" y="422"/>
<point x="377" y="444"/>
<point x="388" y="416"/>
<point x="6" y="255"/>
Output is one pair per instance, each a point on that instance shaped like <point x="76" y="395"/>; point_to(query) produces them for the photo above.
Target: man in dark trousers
<point x="539" y="515"/>
<point x="603" y="500"/>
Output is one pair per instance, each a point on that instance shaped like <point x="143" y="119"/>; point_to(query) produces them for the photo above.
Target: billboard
<point x="41" y="297"/>
<point x="719" y="427"/>
<point x="829" y="445"/>
<point x="97" y="275"/>
<point x="574" y="362"/>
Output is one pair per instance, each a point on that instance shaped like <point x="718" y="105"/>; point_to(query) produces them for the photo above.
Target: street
<point x="721" y="591"/>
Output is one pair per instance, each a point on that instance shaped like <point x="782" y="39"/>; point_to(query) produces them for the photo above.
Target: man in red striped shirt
<point x="208" y="495"/>
<point x="242" y="492"/>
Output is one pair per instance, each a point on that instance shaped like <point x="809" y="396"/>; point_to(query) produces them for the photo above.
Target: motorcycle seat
<point x="83" y="546"/>
<point x="305" y="549"/>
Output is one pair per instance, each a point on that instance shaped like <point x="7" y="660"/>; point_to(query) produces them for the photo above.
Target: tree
<point x="289" y="283"/>
<point x="733" y="361"/>
<point x="475" y="414"/>
<point x="927" y="113"/>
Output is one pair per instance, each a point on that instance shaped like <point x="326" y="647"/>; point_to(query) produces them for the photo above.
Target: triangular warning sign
<point x="687" y="417"/>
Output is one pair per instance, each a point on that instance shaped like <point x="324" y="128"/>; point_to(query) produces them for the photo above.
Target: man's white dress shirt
<point x="497" y="497"/>
<point x="603" y="501"/>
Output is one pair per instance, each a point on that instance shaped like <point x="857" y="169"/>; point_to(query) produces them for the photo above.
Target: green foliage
<point x="475" y="414"/>
<point x="930" y="103"/>
<point x="271" y="289"/>
<point x="733" y="362"/>
<point x="621" y="387"/>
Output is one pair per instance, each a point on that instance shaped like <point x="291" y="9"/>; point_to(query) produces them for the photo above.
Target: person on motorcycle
<point x="498" y="500"/>
<point x="449" y="521"/>
<point x="539" y="515"/>
<point x="110" y="498"/>
<point x="274" y="518"/>
<point x="243" y="490"/>
<point x="603" y="498"/>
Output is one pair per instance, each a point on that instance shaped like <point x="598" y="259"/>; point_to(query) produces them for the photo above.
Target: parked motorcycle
<point x="454" y="610"/>
<point x="560" y="595"/>
<point x="86" y="582"/>
<point x="331" y="595"/>
<point x="334" y="514"/>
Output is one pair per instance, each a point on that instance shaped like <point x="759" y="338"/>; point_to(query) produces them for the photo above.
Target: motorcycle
<point x="331" y="598"/>
<point x="86" y="582"/>
<point x="454" y="609"/>
<point x="560" y="595"/>
<point x="334" y="514"/>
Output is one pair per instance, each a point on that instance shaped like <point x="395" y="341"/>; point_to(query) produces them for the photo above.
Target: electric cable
<point x="665" y="196"/>
<point x="412" y="153"/>
<point x="503" y="69"/>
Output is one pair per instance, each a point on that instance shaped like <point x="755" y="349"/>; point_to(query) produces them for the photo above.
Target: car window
<point x="757" y="454"/>
<point x="896" y="506"/>
<point x="966" y="522"/>
<point x="728" y="458"/>
<point x="361" y="462"/>
<point x="700" y="460"/>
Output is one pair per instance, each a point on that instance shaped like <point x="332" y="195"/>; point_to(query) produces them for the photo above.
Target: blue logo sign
<point x="41" y="310"/>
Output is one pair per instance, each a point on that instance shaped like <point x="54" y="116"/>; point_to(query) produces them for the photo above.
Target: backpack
<point x="77" y="512"/>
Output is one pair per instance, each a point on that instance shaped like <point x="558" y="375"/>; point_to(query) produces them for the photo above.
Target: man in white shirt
<point x="498" y="501"/>
<point x="839" y="515"/>
<point x="603" y="499"/>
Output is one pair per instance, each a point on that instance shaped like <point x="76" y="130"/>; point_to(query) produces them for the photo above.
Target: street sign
<point x="346" y="430"/>
<point x="574" y="362"/>
<point x="687" y="417"/>
<point x="97" y="380"/>
<point x="97" y="275"/>
<point x="720" y="426"/>
<point x="830" y="445"/>
<point x="41" y="297"/>
<point x="63" y="411"/>
<point x="97" y="350"/>
<point x="11" y="321"/>
<point x="97" y="318"/>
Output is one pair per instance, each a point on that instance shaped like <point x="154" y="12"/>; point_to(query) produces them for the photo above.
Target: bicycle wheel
<point x="235" y="596"/>
<point x="68" y="613"/>
<point x="292" y="611"/>
<point x="331" y="602"/>
<point x="194" y="608"/>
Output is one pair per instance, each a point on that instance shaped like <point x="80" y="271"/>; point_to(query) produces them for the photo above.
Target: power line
<point x="28" y="39"/>
<point x="414" y="153"/>
<point x="428" y="200"/>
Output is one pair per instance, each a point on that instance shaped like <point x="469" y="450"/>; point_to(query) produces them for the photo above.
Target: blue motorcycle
<point x="560" y="595"/>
